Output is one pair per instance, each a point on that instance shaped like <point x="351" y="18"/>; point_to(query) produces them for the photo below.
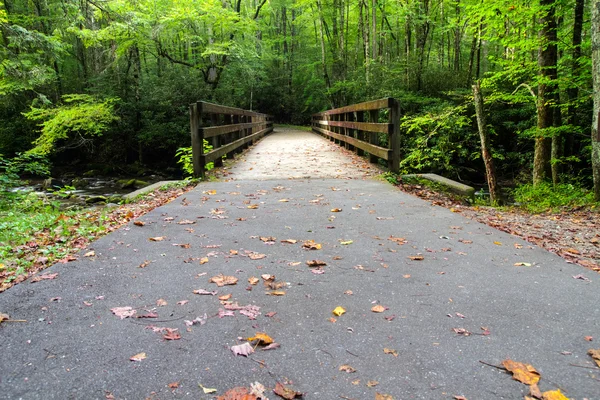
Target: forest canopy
<point x="111" y="80"/>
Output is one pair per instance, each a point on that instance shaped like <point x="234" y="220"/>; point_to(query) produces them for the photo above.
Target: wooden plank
<point x="394" y="138"/>
<point x="197" y="142"/>
<point x="366" y="106"/>
<point x="369" y="148"/>
<point x="221" y="151"/>
<point x="223" y="129"/>
<point x="362" y="126"/>
<point x="210" y="108"/>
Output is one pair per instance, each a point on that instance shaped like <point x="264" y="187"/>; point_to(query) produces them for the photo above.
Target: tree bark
<point x="596" y="91"/>
<point x="545" y="111"/>
<point x="573" y="92"/>
<point x="486" y="152"/>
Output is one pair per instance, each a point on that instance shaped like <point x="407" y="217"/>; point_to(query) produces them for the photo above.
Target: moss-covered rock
<point x="96" y="200"/>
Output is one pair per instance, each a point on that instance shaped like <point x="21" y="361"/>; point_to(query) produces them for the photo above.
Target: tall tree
<point x="596" y="85"/>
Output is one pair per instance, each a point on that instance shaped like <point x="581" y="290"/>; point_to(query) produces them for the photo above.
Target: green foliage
<point x="80" y="118"/>
<point x="12" y="169"/>
<point x="548" y="197"/>
<point x="184" y="159"/>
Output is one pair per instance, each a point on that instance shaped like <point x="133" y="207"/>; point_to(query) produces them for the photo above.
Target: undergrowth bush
<point x="545" y="196"/>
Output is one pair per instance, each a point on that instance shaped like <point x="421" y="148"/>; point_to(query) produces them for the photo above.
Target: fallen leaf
<point x="186" y="222"/>
<point x="182" y="302"/>
<point x="381" y="396"/>
<point x="138" y="357"/>
<point x="277" y="293"/>
<point x="372" y="383"/>
<point x="290" y="241"/>
<point x="416" y="258"/>
<point x="172" y="334"/>
<point x="225" y="297"/>
<point x="268" y="277"/>
<point x="285" y="391"/>
<point x="173" y="385"/>
<point x="460" y="398"/>
<point x="203" y="260"/>
<point x="378" y="308"/>
<point x="390" y="351"/>
<point x="356" y="382"/>
<point x="588" y="338"/>
<point x="157" y="239"/>
<point x="144" y="264"/>
<point x="406" y="276"/>
<point x="498" y="243"/>
<point x="311" y="245"/>
<point x="461" y="331"/>
<point x="123" y="312"/>
<point x="316" y="263"/>
<point x="253" y="280"/>
<point x="398" y="240"/>
<point x="233" y="252"/>
<point x="339" y="311"/>
<point x="347" y="368"/>
<point x="283" y="200"/>
<point x="225" y="313"/>
<point x="595" y="353"/>
<point x="139" y="223"/>
<point x="272" y="346"/>
<point x="336" y="210"/>
<point x="222" y="280"/>
<point x="182" y="245"/>
<point x="258" y="390"/>
<point x="256" y="256"/>
<point x="347" y="242"/>
<point x="244" y="349"/>
<point x="262" y="338"/>
<point x="524" y="373"/>
<point x="205" y="292"/>
<point x="554" y="395"/>
<point x="270" y="314"/>
<point x="161" y="302"/>
<point x="534" y="391"/>
<point x="91" y="253"/>
<point x="276" y="285"/>
<point x="581" y="277"/>
<point x="253" y="206"/>
<point x="42" y="277"/>
<point x="237" y="393"/>
<point x="522" y="264"/>
<point x="349" y="292"/>
<point x="4" y="317"/>
<point x="267" y="239"/>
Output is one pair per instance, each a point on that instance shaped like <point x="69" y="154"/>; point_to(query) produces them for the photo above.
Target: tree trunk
<point x="573" y="92"/>
<point x="596" y="91"/>
<point x="545" y="117"/>
<point x="486" y="152"/>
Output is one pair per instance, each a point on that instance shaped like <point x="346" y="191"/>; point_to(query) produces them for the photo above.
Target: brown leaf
<point x="182" y="245"/>
<point x="157" y="239"/>
<point x="267" y="239"/>
<point x="347" y="368"/>
<point x="144" y="264"/>
<point x="381" y="396"/>
<point x="173" y="385"/>
<point x="172" y="334"/>
<point x="276" y="285"/>
<point x="272" y="346"/>
<point x="595" y="353"/>
<point x="336" y="210"/>
<point x="372" y="383"/>
<point x="378" y="308"/>
<point x="186" y="222"/>
<point x="285" y="391"/>
<point x="416" y="258"/>
<point x="222" y="280"/>
<point x="38" y="278"/>
<point x="253" y="206"/>
<point x="588" y="338"/>
<point x="253" y="280"/>
<point x="256" y="256"/>
<point x="139" y="223"/>
<point x="225" y="297"/>
<point x="534" y="391"/>
<point x="203" y="292"/>
<point x="123" y="312"/>
<point x="316" y="263"/>
<point x="461" y="331"/>
<point x="238" y="393"/>
<point x="268" y="277"/>
<point x="398" y="240"/>
<point x="161" y="302"/>
<point x="270" y="314"/>
<point x="277" y="293"/>
<point x="524" y="373"/>
<point x="460" y="398"/>
<point x="90" y="253"/>
<point x="4" y="317"/>
<point x="290" y="241"/>
<point x="311" y="245"/>
<point x="244" y="349"/>
<point x="203" y="260"/>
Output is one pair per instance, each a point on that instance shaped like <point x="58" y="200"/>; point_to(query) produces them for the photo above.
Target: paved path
<point x="73" y="347"/>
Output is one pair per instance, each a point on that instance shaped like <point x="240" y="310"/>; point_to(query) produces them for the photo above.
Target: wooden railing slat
<point x="366" y="106"/>
<point x="363" y="126"/>
<point x="212" y="131"/>
<point x="380" y="152"/>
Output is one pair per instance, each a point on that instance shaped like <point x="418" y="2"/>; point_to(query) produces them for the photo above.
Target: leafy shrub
<point x="184" y="155"/>
<point x="545" y="196"/>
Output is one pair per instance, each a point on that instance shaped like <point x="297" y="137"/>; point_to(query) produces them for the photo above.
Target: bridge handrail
<point x="229" y="129"/>
<point x="348" y="125"/>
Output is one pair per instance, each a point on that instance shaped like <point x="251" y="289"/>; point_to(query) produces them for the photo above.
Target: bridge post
<point x="197" y="140"/>
<point x="394" y="140"/>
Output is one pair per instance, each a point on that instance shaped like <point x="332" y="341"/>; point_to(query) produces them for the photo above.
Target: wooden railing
<point x="358" y="128"/>
<point x="228" y="130"/>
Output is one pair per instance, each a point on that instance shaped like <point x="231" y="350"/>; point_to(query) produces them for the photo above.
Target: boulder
<point x="79" y="183"/>
<point x="96" y="200"/>
<point x="52" y="183"/>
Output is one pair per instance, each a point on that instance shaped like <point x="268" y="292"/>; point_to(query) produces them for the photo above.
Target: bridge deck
<point x="431" y="271"/>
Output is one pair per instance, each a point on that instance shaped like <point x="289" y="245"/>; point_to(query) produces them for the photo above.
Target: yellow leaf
<point x="253" y="280"/>
<point x="225" y="297"/>
<point x="416" y="258"/>
<point x="262" y="338"/>
<point x="207" y="390"/>
<point x="554" y="395"/>
<point x="138" y="357"/>
<point x="522" y="264"/>
<point x="336" y="210"/>
<point x="277" y="293"/>
<point x="381" y="396"/>
<point x="203" y="260"/>
<point x="157" y="239"/>
<point x="347" y="368"/>
<point x="524" y="373"/>
<point x="253" y="206"/>
<point x="378" y="308"/>
<point x="91" y="253"/>
<point x="390" y="351"/>
<point x="283" y="200"/>
<point x="372" y="383"/>
<point x="347" y="242"/>
<point x="498" y="243"/>
<point x="339" y="311"/>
